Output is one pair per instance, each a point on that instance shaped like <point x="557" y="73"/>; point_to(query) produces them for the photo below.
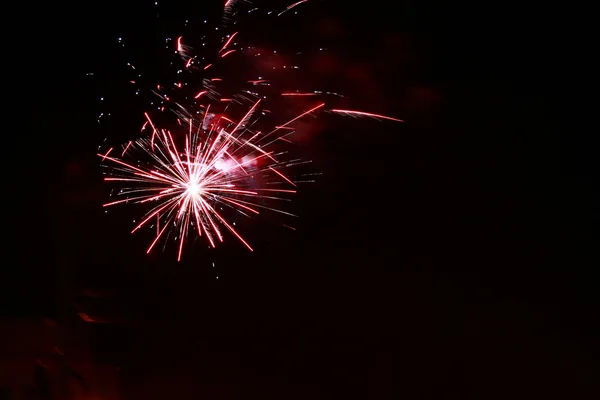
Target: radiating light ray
<point x="228" y="42"/>
<point x="298" y="94"/>
<point x="353" y="113"/>
<point x="291" y="6"/>
<point x="282" y="126"/>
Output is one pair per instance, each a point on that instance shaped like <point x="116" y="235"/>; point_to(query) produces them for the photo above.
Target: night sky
<point x="454" y="254"/>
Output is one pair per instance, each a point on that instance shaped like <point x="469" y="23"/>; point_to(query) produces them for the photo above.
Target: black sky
<point x="457" y="258"/>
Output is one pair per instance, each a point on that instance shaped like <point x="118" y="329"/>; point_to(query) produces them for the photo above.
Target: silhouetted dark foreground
<point x="426" y="334"/>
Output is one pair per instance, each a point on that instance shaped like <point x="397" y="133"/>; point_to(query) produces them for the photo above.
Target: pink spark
<point x="365" y="114"/>
<point x="107" y="153"/>
<point x="292" y="6"/>
<point x="298" y="94"/>
<point x="227" y="53"/>
<point x="282" y="176"/>
<point x="228" y="41"/>
<point x="126" y="147"/>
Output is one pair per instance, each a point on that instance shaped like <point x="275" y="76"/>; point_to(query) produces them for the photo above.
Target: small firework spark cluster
<point x="216" y="163"/>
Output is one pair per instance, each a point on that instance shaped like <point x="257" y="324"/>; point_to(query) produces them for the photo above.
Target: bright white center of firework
<point x="194" y="189"/>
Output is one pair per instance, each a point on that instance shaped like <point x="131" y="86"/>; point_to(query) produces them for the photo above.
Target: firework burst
<point x="219" y="165"/>
<point x="196" y="178"/>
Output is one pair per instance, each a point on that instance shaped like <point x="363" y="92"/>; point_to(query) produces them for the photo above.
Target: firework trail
<point x="358" y="114"/>
<point x="212" y="165"/>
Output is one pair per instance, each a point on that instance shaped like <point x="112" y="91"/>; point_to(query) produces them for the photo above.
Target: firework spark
<point x="291" y="6"/>
<point x="213" y="169"/>
<point x="358" y="114"/>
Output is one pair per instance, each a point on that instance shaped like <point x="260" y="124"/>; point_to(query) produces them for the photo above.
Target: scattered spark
<point x="353" y="113"/>
<point x="291" y="6"/>
<point x="228" y="42"/>
<point x="126" y="148"/>
<point x="227" y="53"/>
<point x="299" y="94"/>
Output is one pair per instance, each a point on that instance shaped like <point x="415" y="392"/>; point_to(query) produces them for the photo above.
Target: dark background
<point x="452" y="255"/>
